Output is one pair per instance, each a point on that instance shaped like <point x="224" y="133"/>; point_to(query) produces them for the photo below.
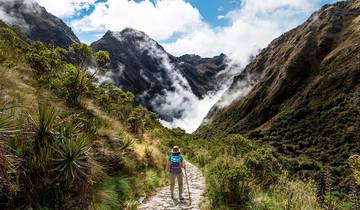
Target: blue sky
<point x="211" y="11"/>
<point x="205" y="27"/>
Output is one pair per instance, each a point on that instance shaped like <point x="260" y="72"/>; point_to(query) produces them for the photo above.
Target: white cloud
<point x="65" y="8"/>
<point x="251" y="27"/>
<point x="220" y="17"/>
<point x="160" y="20"/>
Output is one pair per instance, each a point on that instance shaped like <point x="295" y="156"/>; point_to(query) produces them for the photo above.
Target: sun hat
<point x="175" y="150"/>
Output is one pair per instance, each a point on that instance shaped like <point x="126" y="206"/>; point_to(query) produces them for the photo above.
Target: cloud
<point x="251" y="27"/>
<point x="10" y="15"/>
<point x="220" y="17"/>
<point x="65" y="8"/>
<point x="161" y="19"/>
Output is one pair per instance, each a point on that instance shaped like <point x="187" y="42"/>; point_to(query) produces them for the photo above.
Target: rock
<point x="35" y="23"/>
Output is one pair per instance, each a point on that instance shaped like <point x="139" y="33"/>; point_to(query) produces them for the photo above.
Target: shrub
<point x="136" y="120"/>
<point x="112" y="193"/>
<point x="228" y="182"/>
<point x="286" y="194"/>
<point x="148" y="157"/>
<point x="202" y="157"/>
<point x="263" y="165"/>
<point x="239" y="144"/>
<point x="355" y="165"/>
<point x="43" y="59"/>
<point x="152" y="179"/>
<point x="71" y="159"/>
<point x="71" y="83"/>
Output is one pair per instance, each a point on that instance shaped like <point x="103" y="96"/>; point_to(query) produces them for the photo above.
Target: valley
<point x="90" y="126"/>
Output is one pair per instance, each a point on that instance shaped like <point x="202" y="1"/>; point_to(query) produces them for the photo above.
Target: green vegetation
<point x="241" y="174"/>
<point x="67" y="142"/>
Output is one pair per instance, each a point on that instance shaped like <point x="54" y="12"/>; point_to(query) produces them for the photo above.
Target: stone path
<point x="162" y="200"/>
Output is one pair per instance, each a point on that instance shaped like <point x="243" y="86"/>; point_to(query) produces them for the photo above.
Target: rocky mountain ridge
<point x="35" y="23"/>
<point x="305" y="96"/>
<point x="141" y="65"/>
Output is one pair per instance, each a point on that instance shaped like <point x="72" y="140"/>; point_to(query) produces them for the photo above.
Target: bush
<point x="286" y="194"/>
<point x="43" y="59"/>
<point x="202" y="157"/>
<point x="355" y="165"/>
<point x="228" y="182"/>
<point x="263" y="165"/>
<point x="112" y="193"/>
<point x="152" y="180"/>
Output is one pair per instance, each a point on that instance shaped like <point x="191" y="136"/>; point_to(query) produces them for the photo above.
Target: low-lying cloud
<point x="11" y="17"/>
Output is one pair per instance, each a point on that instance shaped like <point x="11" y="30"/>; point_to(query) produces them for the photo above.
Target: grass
<point x="105" y="149"/>
<point x="112" y="193"/>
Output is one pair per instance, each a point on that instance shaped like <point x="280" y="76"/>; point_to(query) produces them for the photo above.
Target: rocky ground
<point x="162" y="200"/>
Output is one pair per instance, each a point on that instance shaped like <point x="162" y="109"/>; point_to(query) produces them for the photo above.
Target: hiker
<point x="175" y="164"/>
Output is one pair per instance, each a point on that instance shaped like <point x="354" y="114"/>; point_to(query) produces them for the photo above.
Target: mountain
<point x="141" y="65"/>
<point x="304" y="95"/>
<point x="35" y="23"/>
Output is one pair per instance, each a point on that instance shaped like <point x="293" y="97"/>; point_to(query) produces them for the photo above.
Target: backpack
<point x="175" y="167"/>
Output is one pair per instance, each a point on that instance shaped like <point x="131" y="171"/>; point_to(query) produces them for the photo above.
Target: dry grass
<point x="115" y="127"/>
<point x="287" y="194"/>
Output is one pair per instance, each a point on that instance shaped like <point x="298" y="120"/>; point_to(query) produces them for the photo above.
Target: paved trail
<point x="162" y="200"/>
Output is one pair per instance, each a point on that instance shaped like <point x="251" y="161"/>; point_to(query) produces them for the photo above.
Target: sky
<point x="238" y="28"/>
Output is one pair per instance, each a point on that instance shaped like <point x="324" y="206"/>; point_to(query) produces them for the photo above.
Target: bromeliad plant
<point x="45" y="122"/>
<point x="72" y="162"/>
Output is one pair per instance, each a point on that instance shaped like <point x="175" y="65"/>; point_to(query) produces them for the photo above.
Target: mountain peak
<point x="127" y="33"/>
<point x="35" y="23"/>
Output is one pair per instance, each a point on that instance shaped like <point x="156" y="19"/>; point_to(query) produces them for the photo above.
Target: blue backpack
<point x="175" y="164"/>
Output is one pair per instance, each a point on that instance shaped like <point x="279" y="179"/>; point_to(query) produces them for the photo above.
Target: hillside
<point x="305" y="96"/>
<point x="35" y="23"/>
<point x="80" y="125"/>
<point x="93" y="152"/>
<point x="141" y="65"/>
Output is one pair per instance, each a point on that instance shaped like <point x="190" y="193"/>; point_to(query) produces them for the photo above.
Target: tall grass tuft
<point x="71" y="159"/>
<point x="43" y="125"/>
<point x="112" y="193"/>
<point x="152" y="179"/>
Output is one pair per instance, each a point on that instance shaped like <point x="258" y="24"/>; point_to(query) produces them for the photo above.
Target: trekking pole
<point x="187" y="183"/>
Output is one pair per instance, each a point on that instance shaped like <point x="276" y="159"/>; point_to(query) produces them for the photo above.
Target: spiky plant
<point x="46" y="119"/>
<point x="126" y="143"/>
<point x="43" y="125"/>
<point x="72" y="161"/>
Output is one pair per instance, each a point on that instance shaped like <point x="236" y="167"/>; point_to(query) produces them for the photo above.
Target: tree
<point x="75" y="81"/>
<point x="45" y="60"/>
<point x="84" y="58"/>
<point x="80" y="55"/>
<point x="136" y="120"/>
<point x="102" y="59"/>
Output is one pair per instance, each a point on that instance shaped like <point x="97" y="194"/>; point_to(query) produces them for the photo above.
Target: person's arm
<point x="182" y="164"/>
